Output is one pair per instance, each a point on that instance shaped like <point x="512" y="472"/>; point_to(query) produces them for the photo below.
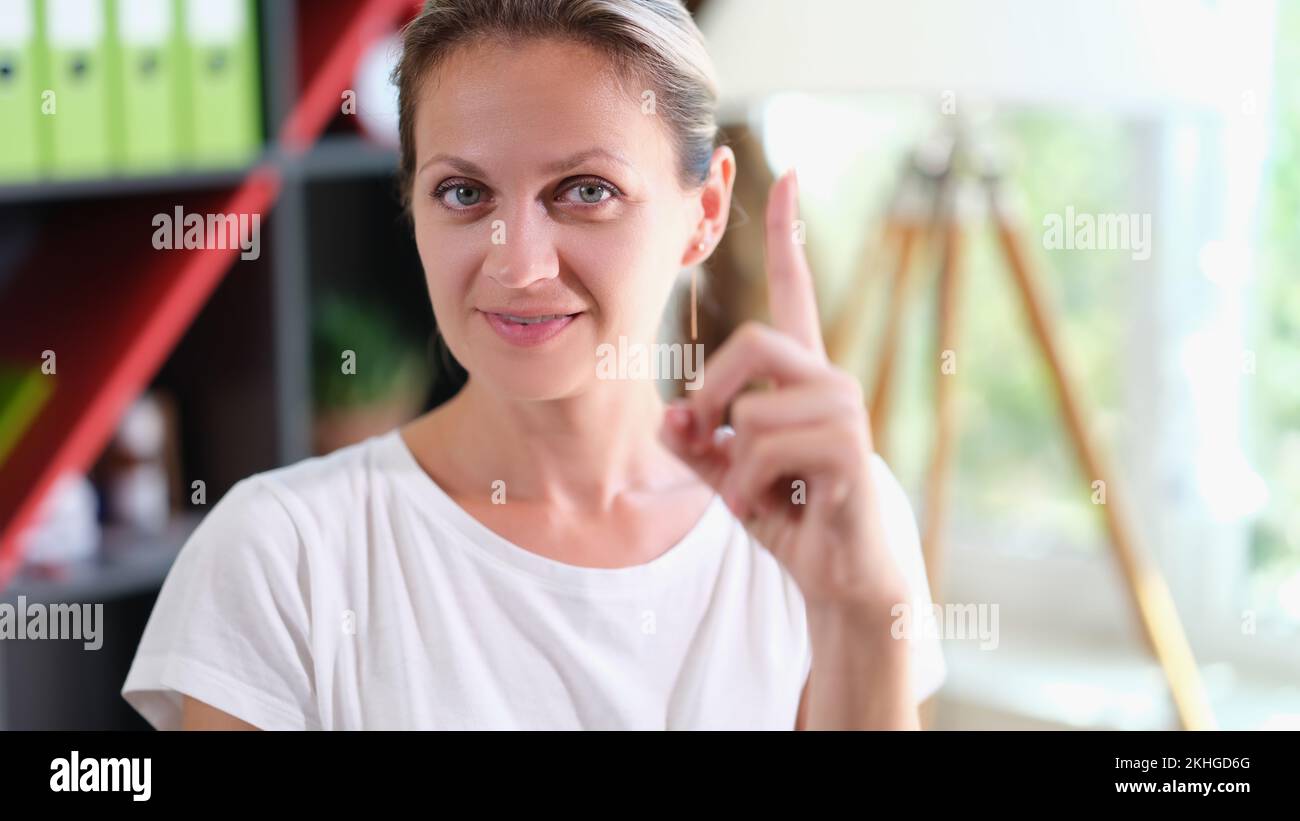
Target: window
<point x="1188" y="359"/>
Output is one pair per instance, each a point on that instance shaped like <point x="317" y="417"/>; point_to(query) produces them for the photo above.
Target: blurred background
<point x="137" y="385"/>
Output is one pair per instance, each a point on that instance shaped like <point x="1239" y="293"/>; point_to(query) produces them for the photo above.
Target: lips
<point x="529" y="328"/>
<point x="529" y="320"/>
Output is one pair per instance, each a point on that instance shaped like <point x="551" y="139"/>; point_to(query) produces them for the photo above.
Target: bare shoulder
<point x="198" y="715"/>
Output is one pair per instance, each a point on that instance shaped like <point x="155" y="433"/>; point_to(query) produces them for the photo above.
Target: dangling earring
<point x="695" y="328"/>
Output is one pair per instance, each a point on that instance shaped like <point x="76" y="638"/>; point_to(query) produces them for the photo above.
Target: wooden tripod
<point x="938" y="175"/>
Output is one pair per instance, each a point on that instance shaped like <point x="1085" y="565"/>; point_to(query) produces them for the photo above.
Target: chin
<point x="527" y="384"/>
<point x="563" y="368"/>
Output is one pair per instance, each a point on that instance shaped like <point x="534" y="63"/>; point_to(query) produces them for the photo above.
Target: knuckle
<point x="850" y="388"/>
<point x="856" y="392"/>
<point x="742" y="412"/>
<point x="762" y="454"/>
<point x="750" y="332"/>
<point x="858" y="434"/>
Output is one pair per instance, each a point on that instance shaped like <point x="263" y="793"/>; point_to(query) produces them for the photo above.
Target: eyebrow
<point x="464" y="166"/>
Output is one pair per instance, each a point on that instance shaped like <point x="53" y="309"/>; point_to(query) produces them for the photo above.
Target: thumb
<point x="709" y="455"/>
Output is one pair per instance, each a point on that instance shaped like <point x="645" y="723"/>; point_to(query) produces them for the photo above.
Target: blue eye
<point x="463" y="195"/>
<point x="591" y="191"/>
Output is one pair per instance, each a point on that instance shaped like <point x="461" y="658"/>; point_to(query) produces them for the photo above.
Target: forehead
<point x="494" y="102"/>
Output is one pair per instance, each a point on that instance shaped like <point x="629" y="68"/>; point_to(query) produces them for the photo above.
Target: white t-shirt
<point x="351" y="592"/>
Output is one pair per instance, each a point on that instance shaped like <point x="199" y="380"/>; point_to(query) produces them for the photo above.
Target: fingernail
<point x="679" y="414"/>
<point x="722" y="433"/>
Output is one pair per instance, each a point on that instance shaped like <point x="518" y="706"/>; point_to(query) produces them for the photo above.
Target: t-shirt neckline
<point x="700" y="542"/>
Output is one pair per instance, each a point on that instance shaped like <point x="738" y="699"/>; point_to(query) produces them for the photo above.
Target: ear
<point x="715" y="206"/>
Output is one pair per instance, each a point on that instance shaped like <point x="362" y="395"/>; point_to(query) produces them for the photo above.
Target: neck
<point x="579" y="452"/>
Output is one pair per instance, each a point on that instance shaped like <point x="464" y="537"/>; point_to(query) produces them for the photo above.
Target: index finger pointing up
<point x="790" y="293"/>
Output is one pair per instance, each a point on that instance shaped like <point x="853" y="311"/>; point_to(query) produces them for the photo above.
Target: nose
<point x="522" y="249"/>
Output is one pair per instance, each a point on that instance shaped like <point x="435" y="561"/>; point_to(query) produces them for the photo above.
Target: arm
<point x="196" y="715"/>
<point x="860" y="677"/>
<point x="871" y="691"/>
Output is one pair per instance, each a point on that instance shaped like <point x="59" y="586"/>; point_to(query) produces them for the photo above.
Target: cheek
<point x="624" y="268"/>
<point x="449" y="266"/>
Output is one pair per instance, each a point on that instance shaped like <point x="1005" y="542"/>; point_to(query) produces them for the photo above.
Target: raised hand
<point x="797" y="470"/>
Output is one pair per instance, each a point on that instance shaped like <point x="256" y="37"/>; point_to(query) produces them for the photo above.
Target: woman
<point x="550" y="549"/>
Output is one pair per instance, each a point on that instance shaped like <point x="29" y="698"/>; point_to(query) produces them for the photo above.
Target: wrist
<point x="861" y="671"/>
<point x="868" y="625"/>
<point x="863" y="610"/>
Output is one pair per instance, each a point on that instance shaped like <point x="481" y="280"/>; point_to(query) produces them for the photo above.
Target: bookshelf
<point x="228" y="338"/>
<point x="113" y="309"/>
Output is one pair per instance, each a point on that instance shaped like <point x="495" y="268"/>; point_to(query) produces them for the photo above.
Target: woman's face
<point x="543" y="188"/>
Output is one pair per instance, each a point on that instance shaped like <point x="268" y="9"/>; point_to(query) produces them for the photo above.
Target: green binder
<point x="77" y="116"/>
<point x="23" y="390"/>
<point x="20" y="91"/>
<point x="147" y="57"/>
<point x="222" y="66"/>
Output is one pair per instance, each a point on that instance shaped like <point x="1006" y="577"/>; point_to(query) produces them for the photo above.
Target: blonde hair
<point x="652" y="42"/>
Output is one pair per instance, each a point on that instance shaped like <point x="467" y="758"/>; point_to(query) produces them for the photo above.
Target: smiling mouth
<point x="528" y="330"/>
<point x="533" y="320"/>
